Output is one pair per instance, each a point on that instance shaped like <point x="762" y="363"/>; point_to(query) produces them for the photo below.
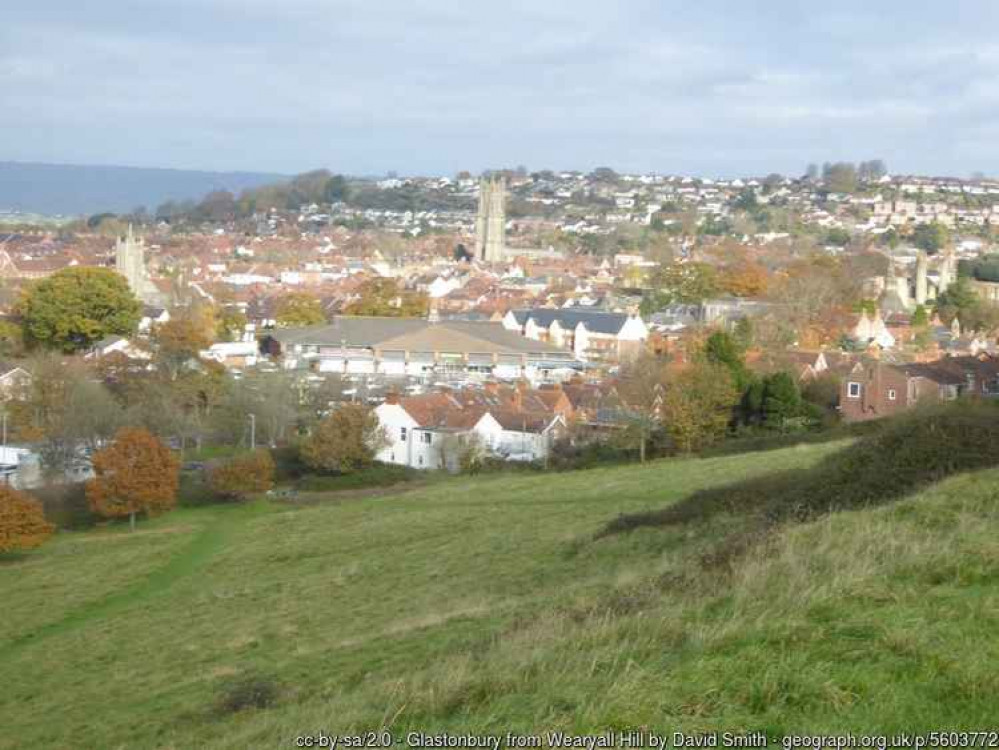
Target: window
<point x="420" y="460"/>
<point x="402" y="434"/>
<point x="853" y="390"/>
<point x="891" y="394"/>
<point x="427" y="438"/>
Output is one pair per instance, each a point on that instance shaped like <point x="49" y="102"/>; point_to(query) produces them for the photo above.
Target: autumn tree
<point x="135" y="474"/>
<point x="744" y="280"/>
<point x="180" y="341"/>
<point x="697" y="406"/>
<point x="22" y="521"/>
<point x="298" y="309"/>
<point x="386" y="298"/>
<point x="345" y="441"/>
<point x="243" y="475"/>
<point x="76" y="307"/>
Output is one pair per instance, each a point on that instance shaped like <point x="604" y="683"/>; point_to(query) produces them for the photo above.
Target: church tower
<point x="490" y="222"/>
<point x="130" y="262"/>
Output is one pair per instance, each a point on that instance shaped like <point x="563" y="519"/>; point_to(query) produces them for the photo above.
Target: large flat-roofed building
<point x="419" y="348"/>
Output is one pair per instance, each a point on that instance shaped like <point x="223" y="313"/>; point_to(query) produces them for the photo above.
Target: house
<point x="874" y="389"/>
<point x="233" y="353"/>
<point x="433" y="430"/>
<point x="151" y="316"/>
<point x="14" y="380"/>
<point x="117" y="345"/>
<point x="592" y="335"/>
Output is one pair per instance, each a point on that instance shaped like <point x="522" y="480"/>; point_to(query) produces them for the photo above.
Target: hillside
<point x="489" y="605"/>
<point x="70" y="190"/>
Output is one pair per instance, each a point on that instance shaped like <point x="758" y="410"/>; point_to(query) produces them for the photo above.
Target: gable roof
<point x="598" y="321"/>
<point x="415" y="334"/>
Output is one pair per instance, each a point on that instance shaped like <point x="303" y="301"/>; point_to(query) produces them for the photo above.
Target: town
<point x="516" y="314"/>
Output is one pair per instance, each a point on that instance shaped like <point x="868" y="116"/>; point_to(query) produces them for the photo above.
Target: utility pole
<point x="253" y="432"/>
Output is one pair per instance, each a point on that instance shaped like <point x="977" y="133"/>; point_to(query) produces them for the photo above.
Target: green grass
<point x="485" y="604"/>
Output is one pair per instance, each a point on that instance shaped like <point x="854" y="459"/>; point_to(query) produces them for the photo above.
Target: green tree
<point x="336" y="190"/>
<point x="841" y="178"/>
<point x="723" y="349"/>
<point x="299" y="309"/>
<point x="385" y="298"/>
<point x="76" y="307"/>
<point x="931" y="237"/>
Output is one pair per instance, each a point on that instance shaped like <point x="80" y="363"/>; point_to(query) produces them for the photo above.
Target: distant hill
<point x="84" y="190"/>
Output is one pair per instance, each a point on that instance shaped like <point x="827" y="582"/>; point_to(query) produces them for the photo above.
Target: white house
<point x="592" y="335"/>
<point x="430" y="432"/>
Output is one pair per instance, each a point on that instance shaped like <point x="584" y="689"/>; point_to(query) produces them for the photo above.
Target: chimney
<point x="392" y="397"/>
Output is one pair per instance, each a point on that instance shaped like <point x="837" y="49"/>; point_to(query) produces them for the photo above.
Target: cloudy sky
<point x="434" y="86"/>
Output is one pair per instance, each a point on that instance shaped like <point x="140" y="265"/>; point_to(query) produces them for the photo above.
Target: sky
<point x="709" y="87"/>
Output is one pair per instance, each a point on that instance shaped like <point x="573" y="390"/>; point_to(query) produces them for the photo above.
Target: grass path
<point x="185" y="562"/>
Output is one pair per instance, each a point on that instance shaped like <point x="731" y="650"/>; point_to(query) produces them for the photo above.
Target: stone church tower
<point x="130" y="262"/>
<point x="490" y="223"/>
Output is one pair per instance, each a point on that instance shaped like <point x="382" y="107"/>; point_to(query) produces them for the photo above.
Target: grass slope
<point x="486" y="604"/>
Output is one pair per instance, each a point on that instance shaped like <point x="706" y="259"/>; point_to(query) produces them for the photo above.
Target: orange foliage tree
<point x="243" y="475"/>
<point x="135" y="474"/>
<point x="22" y="522"/>
<point x="744" y="280"/>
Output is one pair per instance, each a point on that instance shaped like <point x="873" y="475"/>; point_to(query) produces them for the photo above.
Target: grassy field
<point x="487" y="605"/>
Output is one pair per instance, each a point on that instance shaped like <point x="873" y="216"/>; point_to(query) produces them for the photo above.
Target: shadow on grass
<point x="907" y="454"/>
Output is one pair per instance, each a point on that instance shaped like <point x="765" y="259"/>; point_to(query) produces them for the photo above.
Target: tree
<point x="722" y="349"/>
<point x="22" y="521"/>
<point x="347" y="440"/>
<point x="179" y="342"/>
<point x="781" y="400"/>
<point x="11" y="339"/>
<point x="838" y="236"/>
<point x="298" y="309"/>
<point x="336" y="190"/>
<point x="219" y="205"/>
<point x="744" y="280"/>
<point x="697" y="406"/>
<point x="841" y="178"/>
<point x="243" y="475"/>
<point x="385" y="298"/>
<point x="642" y="386"/>
<point x="135" y="474"/>
<point x="230" y="324"/>
<point x="76" y="307"/>
<point x="958" y="301"/>
<point x="931" y="237"/>
<point x="679" y="283"/>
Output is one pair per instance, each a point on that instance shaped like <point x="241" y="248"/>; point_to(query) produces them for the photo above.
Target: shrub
<point x="243" y="475"/>
<point x="66" y="505"/>
<point x="22" y="521"/>
<point x="347" y="440"/>
<point x="908" y="453"/>
<point x="378" y="475"/>
<point x="251" y="691"/>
